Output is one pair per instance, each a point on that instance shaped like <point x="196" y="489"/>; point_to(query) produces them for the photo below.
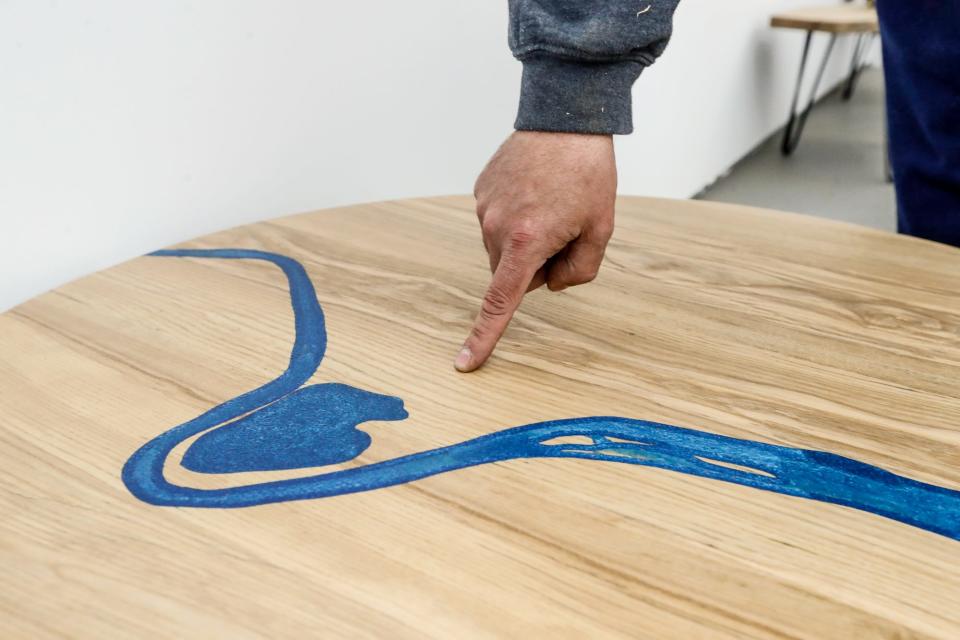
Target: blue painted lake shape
<point x="286" y="425"/>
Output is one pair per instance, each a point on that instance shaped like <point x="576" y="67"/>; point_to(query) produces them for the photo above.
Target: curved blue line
<point x="143" y="472"/>
<point x="815" y="475"/>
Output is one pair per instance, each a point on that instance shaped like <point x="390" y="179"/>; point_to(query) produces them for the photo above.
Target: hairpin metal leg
<point x="860" y="51"/>
<point x="797" y="121"/>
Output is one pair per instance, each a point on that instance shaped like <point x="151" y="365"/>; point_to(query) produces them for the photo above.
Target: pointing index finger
<point x="500" y="302"/>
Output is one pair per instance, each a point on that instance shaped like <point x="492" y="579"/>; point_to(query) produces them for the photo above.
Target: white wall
<point x="129" y="125"/>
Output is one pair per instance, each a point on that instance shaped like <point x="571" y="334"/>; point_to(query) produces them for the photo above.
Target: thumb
<point x="578" y="263"/>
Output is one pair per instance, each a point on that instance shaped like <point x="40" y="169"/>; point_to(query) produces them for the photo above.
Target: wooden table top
<point x="833" y="19"/>
<point x="810" y="491"/>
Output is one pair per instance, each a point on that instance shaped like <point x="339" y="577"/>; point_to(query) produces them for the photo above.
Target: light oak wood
<point x="767" y="326"/>
<point x="832" y="19"/>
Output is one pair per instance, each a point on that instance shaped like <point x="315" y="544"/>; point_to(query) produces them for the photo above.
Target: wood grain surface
<point x="833" y="19"/>
<point x="767" y="326"/>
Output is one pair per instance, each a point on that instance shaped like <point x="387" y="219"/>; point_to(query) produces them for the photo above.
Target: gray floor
<point x="836" y="172"/>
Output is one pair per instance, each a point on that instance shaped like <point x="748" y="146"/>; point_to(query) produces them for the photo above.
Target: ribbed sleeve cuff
<point x="576" y="97"/>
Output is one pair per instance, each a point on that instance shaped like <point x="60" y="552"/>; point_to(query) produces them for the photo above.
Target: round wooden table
<point x="748" y="426"/>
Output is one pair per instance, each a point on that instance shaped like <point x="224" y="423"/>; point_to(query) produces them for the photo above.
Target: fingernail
<point x="462" y="363"/>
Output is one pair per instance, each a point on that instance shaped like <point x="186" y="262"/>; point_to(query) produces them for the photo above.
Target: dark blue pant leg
<point x="921" y="58"/>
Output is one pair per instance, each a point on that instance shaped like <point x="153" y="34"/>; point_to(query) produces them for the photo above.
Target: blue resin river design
<point x="285" y="425"/>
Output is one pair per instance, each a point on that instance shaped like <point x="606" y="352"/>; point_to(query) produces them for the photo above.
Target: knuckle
<point x="521" y="237"/>
<point x="478" y="334"/>
<point x="489" y="223"/>
<point x="496" y="303"/>
<point x="604" y="230"/>
<point x="526" y="226"/>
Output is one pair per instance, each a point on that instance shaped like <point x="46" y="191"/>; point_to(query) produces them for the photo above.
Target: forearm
<point x="581" y="58"/>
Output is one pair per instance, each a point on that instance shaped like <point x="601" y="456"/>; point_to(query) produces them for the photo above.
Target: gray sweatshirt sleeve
<point x="581" y="57"/>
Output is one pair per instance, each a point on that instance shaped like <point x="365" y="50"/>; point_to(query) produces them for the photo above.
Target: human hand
<point x="545" y="203"/>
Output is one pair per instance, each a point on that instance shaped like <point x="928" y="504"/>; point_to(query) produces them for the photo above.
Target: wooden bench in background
<point x="859" y="20"/>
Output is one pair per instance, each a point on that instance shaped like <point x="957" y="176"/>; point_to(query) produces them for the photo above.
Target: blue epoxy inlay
<point x="312" y="427"/>
<point x="283" y="425"/>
